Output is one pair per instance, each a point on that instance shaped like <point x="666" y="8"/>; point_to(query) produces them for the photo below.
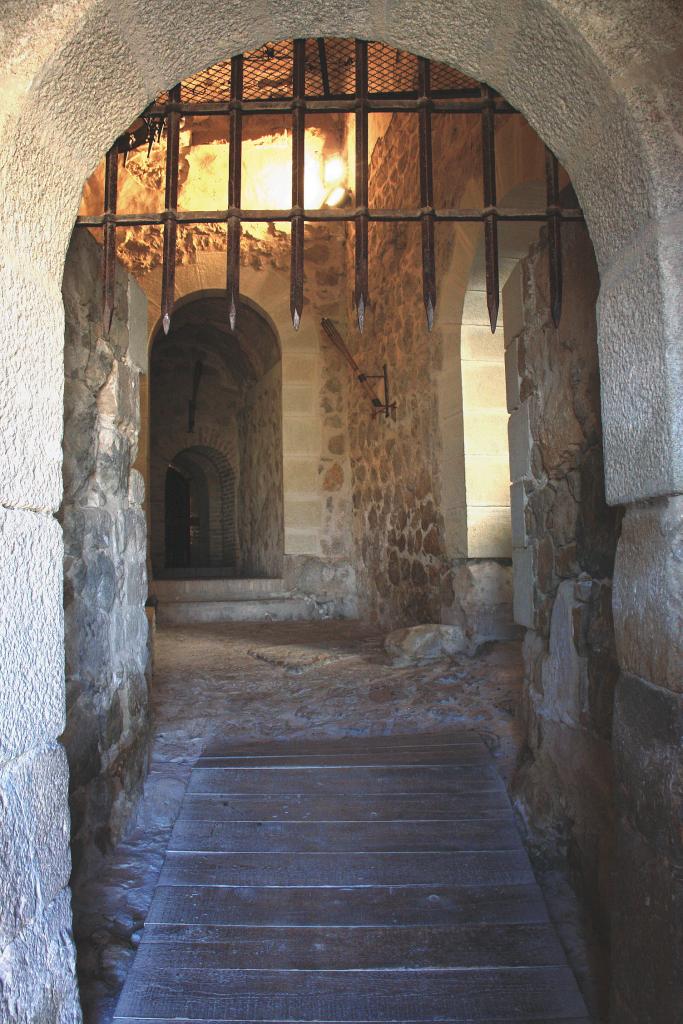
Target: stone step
<point x="200" y="590"/>
<point x="255" y="609"/>
<point x="197" y="573"/>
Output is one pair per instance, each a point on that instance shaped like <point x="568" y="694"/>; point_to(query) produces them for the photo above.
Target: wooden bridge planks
<point x="370" y="880"/>
<point x="321" y="836"/>
<point x="218" y="807"/>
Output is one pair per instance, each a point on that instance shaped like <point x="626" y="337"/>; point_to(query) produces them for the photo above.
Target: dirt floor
<point x="277" y="681"/>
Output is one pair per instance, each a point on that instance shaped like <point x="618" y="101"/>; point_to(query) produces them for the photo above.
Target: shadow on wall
<point x="105" y="579"/>
<point x="564" y="542"/>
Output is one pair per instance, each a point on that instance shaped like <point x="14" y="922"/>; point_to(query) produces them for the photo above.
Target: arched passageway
<point x="199" y="515"/>
<point x="215" y="418"/>
<point x="636" y="254"/>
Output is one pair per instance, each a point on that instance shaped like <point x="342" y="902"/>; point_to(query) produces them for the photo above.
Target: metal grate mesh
<point x="340" y="59"/>
<point x="268" y="73"/>
<point x="391" y="71"/>
<point x="445" y="79"/>
<point x="212" y="85"/>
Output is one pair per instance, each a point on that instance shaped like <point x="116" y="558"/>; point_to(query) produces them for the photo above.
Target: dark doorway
<point x="177" y="520"/>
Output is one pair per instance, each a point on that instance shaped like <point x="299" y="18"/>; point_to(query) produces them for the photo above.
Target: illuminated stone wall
<point x="105" y="578"/>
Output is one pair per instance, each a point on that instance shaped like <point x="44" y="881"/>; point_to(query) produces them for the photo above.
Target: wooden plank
<point x="343" y="836"/>
<point x="468" y="779"/>
<point x="519" y="994"/>
<point x="380" y="882"/>
<point x="448" y="1020"/>
<point x="295" y="807"/>
<point x="209" y="947"/>
<point x="500" y="868"/>
<point x="399" y="906"/>
<point x="467" y="753"/>
<point x="359" y="744"/>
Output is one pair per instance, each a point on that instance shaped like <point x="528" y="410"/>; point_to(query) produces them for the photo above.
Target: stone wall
<point x="105" y="580"/>
<point x="261" y="517"/>
<point x="647" y="980"/>
<point x="403" y="572"/>
<point x="408" y="472"/>
<point x="564" y="541"/>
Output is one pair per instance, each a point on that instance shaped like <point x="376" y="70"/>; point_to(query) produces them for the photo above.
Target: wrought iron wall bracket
<point x="379" y="407"/>
<point x="385" y="407"/>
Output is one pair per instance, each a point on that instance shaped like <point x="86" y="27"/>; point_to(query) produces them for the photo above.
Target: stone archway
<point x="600" y="88"/>
<point x="236" y="427"/>
<point x="209" y="472"/>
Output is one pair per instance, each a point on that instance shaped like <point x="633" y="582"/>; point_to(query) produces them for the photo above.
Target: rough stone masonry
<point x="105" y="574"/>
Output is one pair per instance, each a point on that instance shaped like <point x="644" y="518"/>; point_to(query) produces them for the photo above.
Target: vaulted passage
<point x="367" y="390"/>
<point x="366" y="880"/>
<point x="368" y="335"/>
<point x="215" y="444"/>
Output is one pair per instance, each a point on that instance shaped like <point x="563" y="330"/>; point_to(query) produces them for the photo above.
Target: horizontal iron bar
<point x="376" y="105"/>
<point x="131" y="220"/>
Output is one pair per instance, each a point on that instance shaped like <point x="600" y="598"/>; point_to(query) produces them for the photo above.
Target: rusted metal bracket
<point x="109" y="248"/>
<point x="488" y="147"/>
<point x="170" y="213"/>
<point x="235" y="187"/>
<point x="379" y="407"/>
<point x="427" y="192"/>
<point x="554" y="235"/>
<point x="360" y="295"/>
<point x="296" y="300"/>
<point x="385" y="408"/>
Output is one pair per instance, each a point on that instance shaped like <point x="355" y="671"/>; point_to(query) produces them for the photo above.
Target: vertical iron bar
<point x="427" y="192"/>
<point x="235" y="186"/>
<point x="490" y="222"/>
<point x="554" y="235"/>
<point x="296" y="302"/>
<point x="324" y="70"/>
<point x="171" y="208"/>
<point x="361" y="288"/>
<point x="111" y="175"/>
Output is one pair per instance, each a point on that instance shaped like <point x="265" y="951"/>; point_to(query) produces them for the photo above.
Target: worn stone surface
<point x="647" y="986"/>
<point x="330" y="583"/>
<point x="648" y="593"/>
<point x="34" y="840"/>
<point x="31" y="632"/>
<point x="105" y="579"/>
<point x="261" y="511"/>
<point x="419" y="644"/>
<point x="564" y="545"/>
<point x="648" y="740"/>
<point x="39" y="971"/>
<point x="483" y="601"/>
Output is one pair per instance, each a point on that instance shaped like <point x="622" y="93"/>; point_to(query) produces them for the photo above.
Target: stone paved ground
<point x="279" y="680"/>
